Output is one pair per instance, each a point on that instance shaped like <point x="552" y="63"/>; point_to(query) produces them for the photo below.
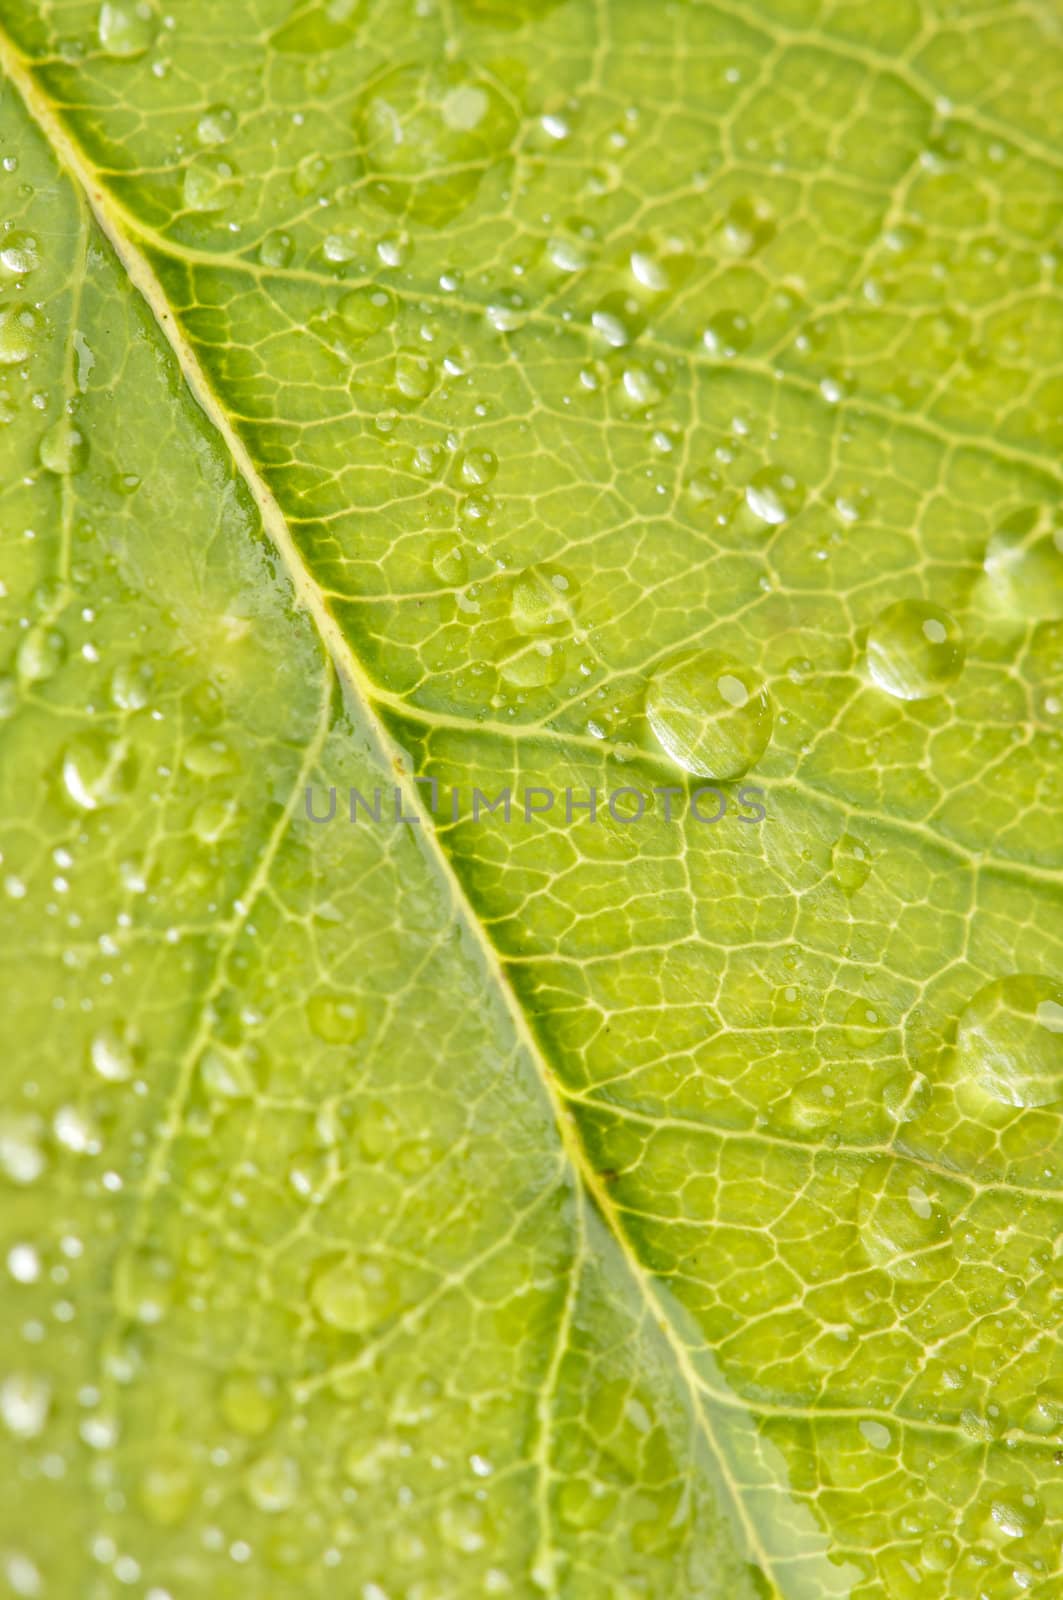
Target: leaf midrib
<point x="360" y="705"/>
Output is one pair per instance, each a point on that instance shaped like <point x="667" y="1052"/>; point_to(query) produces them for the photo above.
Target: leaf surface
<point x="557" y="397"/>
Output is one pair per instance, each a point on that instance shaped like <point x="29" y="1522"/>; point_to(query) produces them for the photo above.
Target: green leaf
<point x="552" y="397"/>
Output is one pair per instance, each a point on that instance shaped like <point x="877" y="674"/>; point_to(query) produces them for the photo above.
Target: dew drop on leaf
<point x="19" y="331"/>
<point x="272" y="1483"/>
<point x="904" y="1226"/>
<point x="1009" y="1040"/>
<point x="335" y="1018"/>
<point x="710" y="713"/>
<point x="851" y="863"/>
<point x="97" y="772"/>
<point x="126" y="28"/>
<point x="1024" y="566"/>
<point x="915" y="650"/>
<point x="64" y="448"/>
<point x="40" y="654"/>
<point x="20" y="254"/>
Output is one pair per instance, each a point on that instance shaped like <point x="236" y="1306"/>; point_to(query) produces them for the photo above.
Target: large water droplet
<point x="1009" y="1040"/>
<point x="248" y="1403"/>
<point x="321" y="26"/>
<point x="126" y="30"/>
<point x="166" y="1487"/>
<point x="22" y="1157"/>
<point x="710" y="713"/>
<point x="415" y="375"/>
<point x="19" y="254"/>
<point x="428" y="134"/>
<point x="915" y="650"/>
<point x="727" y="333"/>
<point x="366" y="311"/>
<point x="1024" y="565"/>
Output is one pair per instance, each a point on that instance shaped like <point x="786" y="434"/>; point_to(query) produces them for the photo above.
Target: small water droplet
<point x="24" y="1404"/>
<point x="40" y="654"/>
<point x="910" y="1241"/>
<point x="355" y="1294"/>
<point x="276" y="250"/>
<point x="19" y="330"/>
<point x="543" y="601"/>
<point x="414" y="375"/>
<point x="248" y="1403"/>
<point x="63" y="449"/>
<point x="272" y="1483"/>
<point x="449" y="563"/>
<point x="710" y="713"/>
<point x="727" y="333"/>
<point x="98" y="772"/>
<point x="774" y="495"/>
<point x="335" y="1018"/>
<point x="112" y="1053"/>
<point x="851" y="863"/>
<point x="211" y="184"/>
<point x="217" y="125"/>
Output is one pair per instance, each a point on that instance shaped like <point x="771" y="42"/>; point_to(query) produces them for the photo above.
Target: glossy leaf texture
<point x="634" y="395"/>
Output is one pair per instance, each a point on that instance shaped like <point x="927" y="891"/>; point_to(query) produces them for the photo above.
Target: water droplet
<point x="903" y="1216"/>
<point x="1024" y="565"/>
<point x="217" y="125"/>
<point x="63" y="449"/>
<point x="126" y="30"/>
<point x="19" y="254"/>
<point x="914" y="650"/>
<point x="277" y="250"/>
<point x="877" y="1434"/>
<point x="449" y="563"/>
<point x="97" y="771"/>
<point x="272" y="1483"/>
<point x="248" y="1403"/>
<point x="727" y="333"/>
<point x="112" y="1054"/>
<point x="429" y="134"/>
<point x="24" y="1404"/>
<point x="355" y="1294"/>
<point x="774" y="495"/>
<point x="211" y="184"/>
<point x="710" y="713"/>
<point x="212" y="819"/>
<point x="22" y="1157"/>
<point x="40" y="654"/>
<point x="335" y="1018"/>
<point x="543" y="601"/>
<point x="865" y="1022"/>
<point x="534" y="665"/>
<point x="851" y="863"/>
<point x="166" y="1488"/>
<point x="585" y="1504"/>
<point x="365" y="312"/>
<point x="477" y="467"/>
<point x="18" y="334"/>
<point x="131" y="684"/>
<point x="1016" y="1513"/>
<point x="747" y="226"/>
<point x="1009" y="1040"/>
<point x="415" y="375"/>
<point x="209" y="758"/>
